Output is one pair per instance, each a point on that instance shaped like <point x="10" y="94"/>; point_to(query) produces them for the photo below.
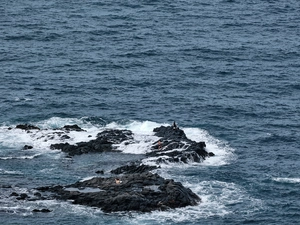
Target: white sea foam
<point x="25" y="208"/>
<point x="144" y="137"/>
<point x="287" y="180"/>
<point x="217" y="199"/>
<point x="42" y="139"/>
<point x="223" y="152"/>
<point x="9" y="172"/>
<point x="17" y="99"/>
<point x="18" y="157"/>
<point x="142" y="133"/>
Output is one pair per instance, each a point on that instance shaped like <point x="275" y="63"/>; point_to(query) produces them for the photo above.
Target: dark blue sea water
<point x="227" y="71"/>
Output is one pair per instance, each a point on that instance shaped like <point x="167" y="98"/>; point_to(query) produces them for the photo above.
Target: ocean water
<point x="227" y="71"/>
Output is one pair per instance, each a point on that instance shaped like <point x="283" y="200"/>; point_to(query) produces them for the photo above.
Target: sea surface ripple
<point x="229" y="68"/>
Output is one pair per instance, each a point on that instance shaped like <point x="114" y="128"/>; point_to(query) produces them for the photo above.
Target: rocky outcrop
<point x="133" y="168"/>
<point x="74" y="127"/>
<point x="27" y="127"/>
<point x="174" y="146"/>
<point x="103" y="143"/>
<point x="132" y="187"/>
<point x="143" y="192"/>
<point x="27" y="147"/>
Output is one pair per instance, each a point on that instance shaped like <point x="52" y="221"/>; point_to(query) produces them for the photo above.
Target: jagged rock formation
<point x="27" y="127"/>
<point x="174" y="146"/>
<point x="136" y="187"/>
<point x="143" y="192"/>
<point x="133" y="168"/>
<point x="103" y="143"/>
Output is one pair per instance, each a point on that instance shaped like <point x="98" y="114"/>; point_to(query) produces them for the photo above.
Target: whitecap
<point x="87" y="178"/>
<point x="144" y="138"/>
<point x="20" y="157"/>
<point x="2" y="171"/>
<point x="224" y="154"/>
<point x="286" y="180"/>
<point x="217" y="199"/>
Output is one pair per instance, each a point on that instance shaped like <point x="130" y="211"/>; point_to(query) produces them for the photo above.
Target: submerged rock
<point x="41" y="210"/>
<point x="22" y="196"/>
<point x="27" y="147"/>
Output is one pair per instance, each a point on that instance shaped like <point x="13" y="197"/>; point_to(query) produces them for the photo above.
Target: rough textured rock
<point x="74" y="127"/>
<point x="22" y="196"/>
<point x="174" y="144"/>
<point x="143" y="192"/>
<point x="41" y="210"/>
<point x="133" y="187"/>
<point x="103" y="143"/>
<point x="27" y="127"/>
<point x="133" y="168"/>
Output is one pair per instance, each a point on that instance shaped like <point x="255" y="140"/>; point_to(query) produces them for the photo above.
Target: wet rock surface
<point x="132" y="187"/>
<point x="27" y="127"/>
<point x="143" y="192"/>
<point x="133" y="168"/>
<point x="103" y="143"/>
<point x="174" y="146"/>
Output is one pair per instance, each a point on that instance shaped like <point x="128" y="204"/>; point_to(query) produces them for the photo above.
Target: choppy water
<point x="226" y="71"/>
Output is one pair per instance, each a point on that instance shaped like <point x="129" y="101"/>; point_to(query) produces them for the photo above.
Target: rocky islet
<point x="133" y="187"/>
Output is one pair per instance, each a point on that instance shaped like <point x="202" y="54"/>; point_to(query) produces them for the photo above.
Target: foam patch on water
<point x="25" y="208"/>
<point x="142" y="133"/>
<point x="223" y="152"/>
<point x="9" y="205"/>
<point x="12" y="172"/>
<point x="42" y="139"/>
<point x="20" y="157"/>
<point x="287" y="180"/>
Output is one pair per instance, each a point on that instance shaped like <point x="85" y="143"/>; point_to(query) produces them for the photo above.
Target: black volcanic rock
<point x="22" y="196"/>
<point x="143" y="192"/>
<point x="74" y="127"/>
<point x="170" y="132"/>
<point x="27" y="127"/>
<point x="26" y="147"/>
<point x="14" y="194"/>
<point x="103" y="143"/>
<point x="41" y="210"/>
<point x="132" y="187"/>
<point x="133" y="168"/>
<point x="174" y="144"/>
